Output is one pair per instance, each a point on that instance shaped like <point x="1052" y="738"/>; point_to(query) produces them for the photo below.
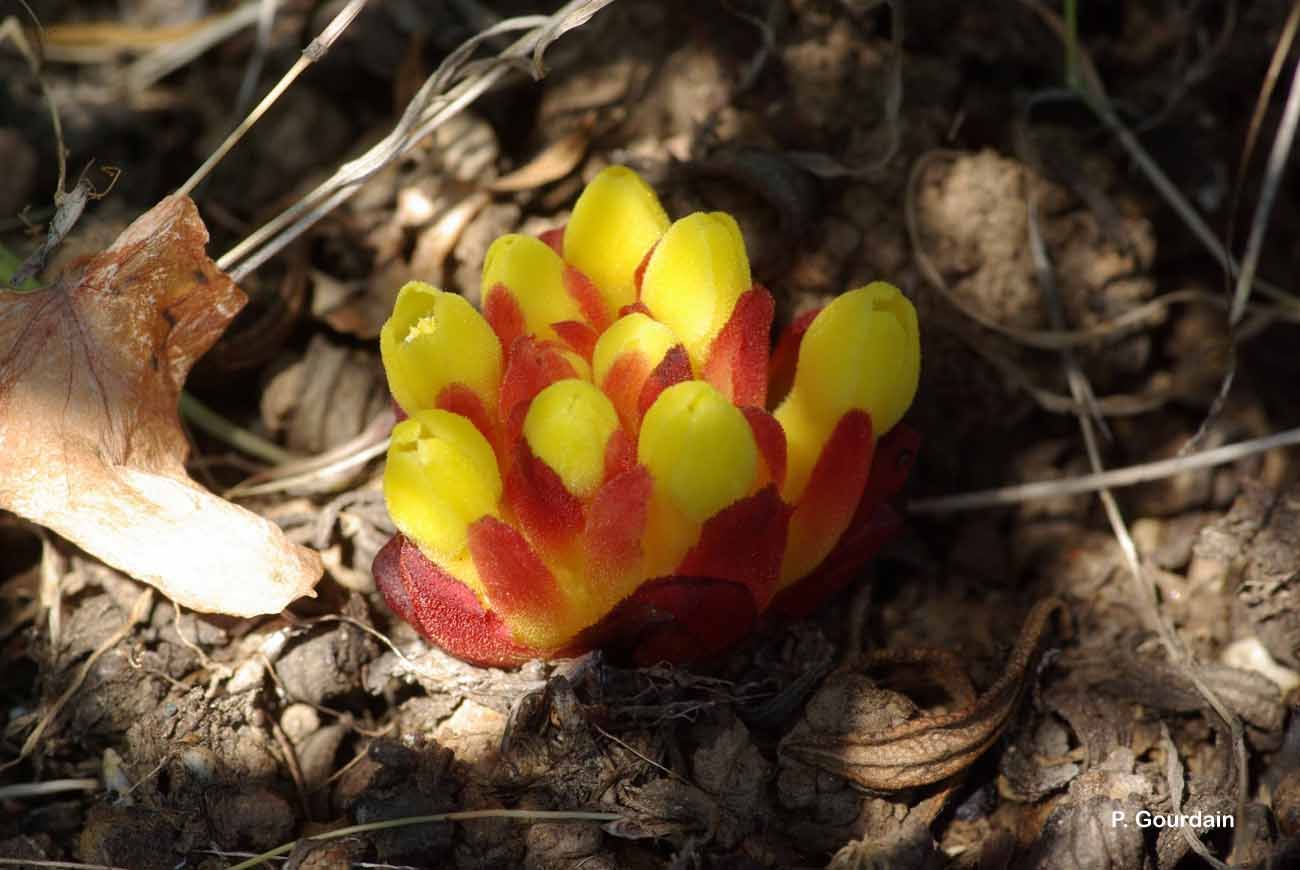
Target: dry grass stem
<point x="165" y="60"/>
<point x="314" y="51"/>
<point x="19" y="790"/>
<point x="1006" y="496"/>
<point x="306" y="474"/>
<point x="1281" y="151"/>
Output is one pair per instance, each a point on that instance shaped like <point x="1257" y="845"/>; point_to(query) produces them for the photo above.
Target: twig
<point x="767" y="41"/>
<point x="288" y="750"/>
<point x="1120" y="405"/>
<point x="192" y="645"/>
<point x="410" y="664"/>
<point x="371" y="442"/>
<point x="329" y="514"/>
<point x="641" y="755"/>
<point x="1196" y="70"/>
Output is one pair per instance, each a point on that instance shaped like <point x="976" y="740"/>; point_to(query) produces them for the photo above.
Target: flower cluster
<point x="593" y="460"/>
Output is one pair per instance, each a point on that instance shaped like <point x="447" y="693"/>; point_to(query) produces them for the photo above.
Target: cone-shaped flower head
<point x="592" y="461"/>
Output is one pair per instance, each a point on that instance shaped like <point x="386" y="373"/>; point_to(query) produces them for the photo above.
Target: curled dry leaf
<point x="91" y="447"/>
<point x="931" y="748"/>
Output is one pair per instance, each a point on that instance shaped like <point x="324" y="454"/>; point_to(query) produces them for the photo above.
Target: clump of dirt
<point x="974" y="216"/>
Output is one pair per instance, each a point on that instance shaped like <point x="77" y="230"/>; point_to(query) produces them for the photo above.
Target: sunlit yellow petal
<point x="634" y="333"/>
<point x="441" y="476"/>
<point x="434" y="339"/>
<point x="568" y="427"/>
<point x="862" y="352"/>
<point x="694" y="278"/>
<point x="534" y="275"/>
<point x="615" y="221"/>
<point x="699" y="449"/>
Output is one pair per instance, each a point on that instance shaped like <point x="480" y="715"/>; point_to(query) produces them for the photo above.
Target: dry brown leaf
<point x="554" y="162"/>
<point x="930" y="748"/>
<point x="91" y="447"/>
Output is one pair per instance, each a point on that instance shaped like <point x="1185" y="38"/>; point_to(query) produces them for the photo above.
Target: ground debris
<point x="1254" y="550"/>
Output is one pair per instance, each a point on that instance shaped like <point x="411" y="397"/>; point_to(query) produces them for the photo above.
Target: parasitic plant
<point x="592" y="460"/>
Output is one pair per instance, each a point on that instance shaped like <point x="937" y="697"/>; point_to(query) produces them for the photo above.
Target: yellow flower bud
<point x="441" y="476"/>
<point x="615" y="222"/>
<point x="434" y="339"/>
<point x="634" y="333"/>
<point x="534" y="275"/>
<point x="568" y="427"/>
<point x="699" y="449"/>
<point x="694" y="278"/>
<point x="862" y="352"/>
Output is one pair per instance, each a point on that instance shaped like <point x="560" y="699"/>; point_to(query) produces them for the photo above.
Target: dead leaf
<point x="929" y="748"/>
<point x="554" y="162"/>
<point x="91" y="447"/>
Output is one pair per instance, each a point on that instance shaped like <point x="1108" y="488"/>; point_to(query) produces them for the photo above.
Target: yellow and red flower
<point x="593" y="460"/>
